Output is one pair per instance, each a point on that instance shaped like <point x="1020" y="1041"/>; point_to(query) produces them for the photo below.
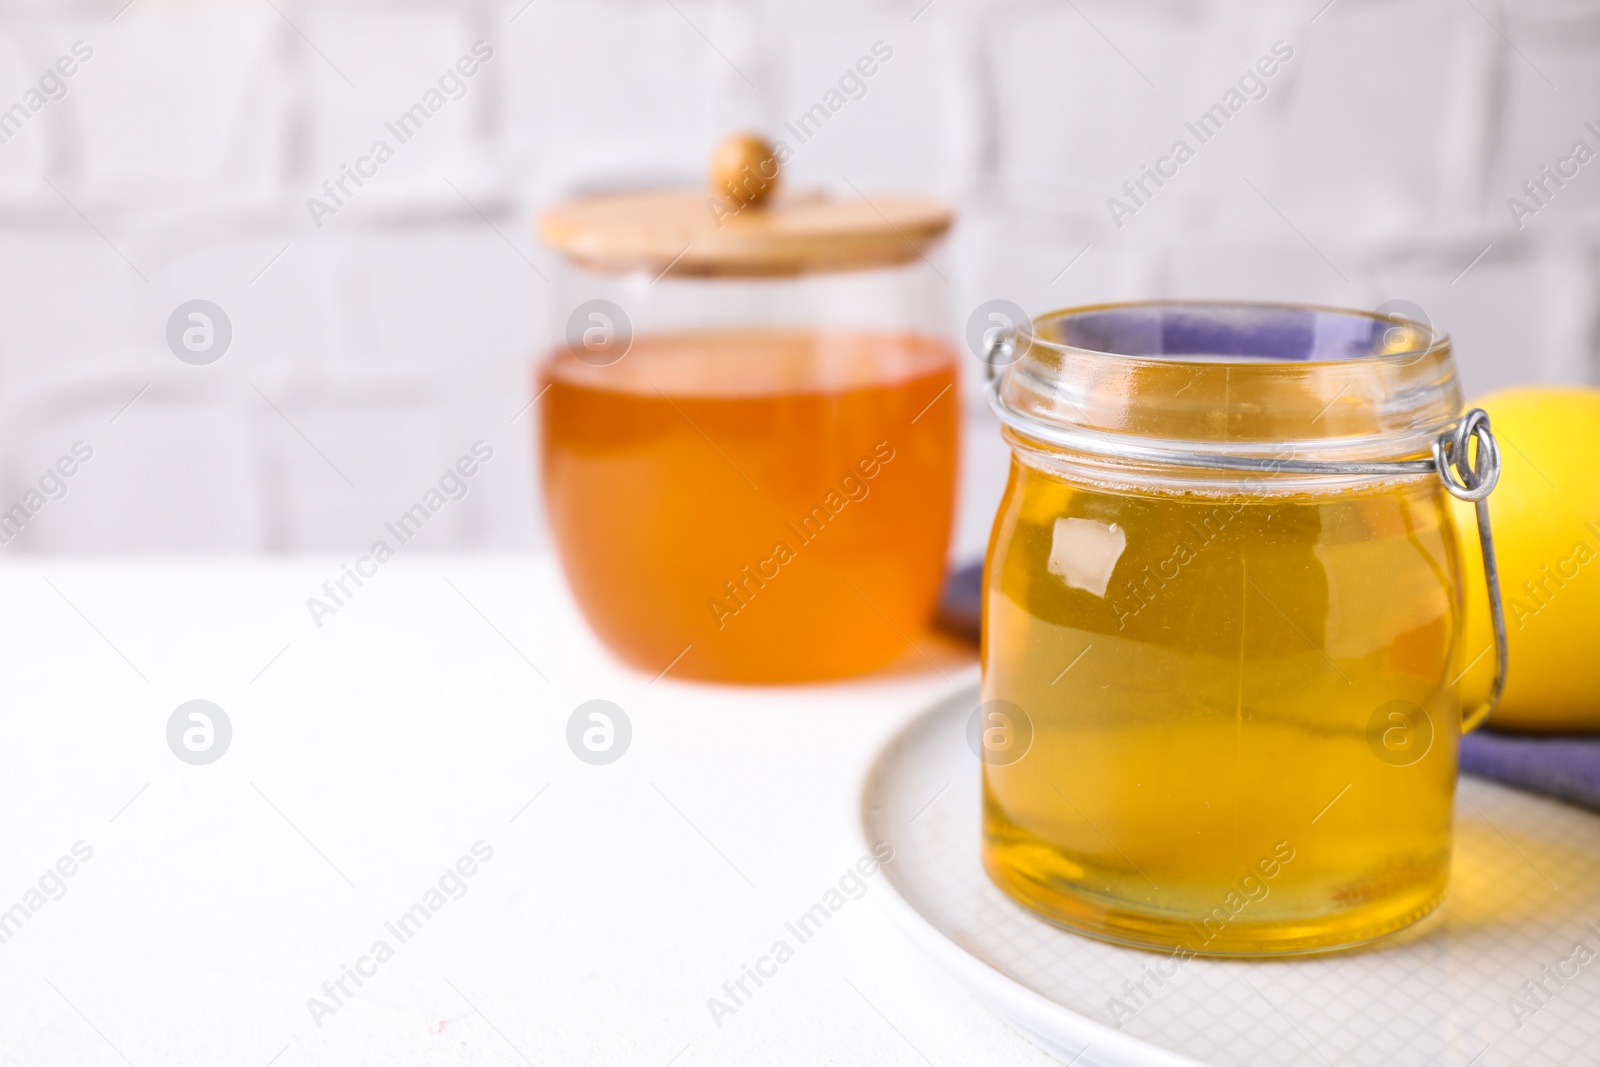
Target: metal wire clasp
<point x="1473" y="477"/>
<point x="999" y="351"/>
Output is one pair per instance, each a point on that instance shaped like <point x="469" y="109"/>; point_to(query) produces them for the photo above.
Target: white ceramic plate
<point x="1525" y="888"/>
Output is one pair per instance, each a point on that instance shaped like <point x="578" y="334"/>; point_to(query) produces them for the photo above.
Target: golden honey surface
<point x="1231" y="727"/>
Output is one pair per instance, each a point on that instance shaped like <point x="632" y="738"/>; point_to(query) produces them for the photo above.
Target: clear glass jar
<point x="1233" y="725"/>
<point x="750" y="434"/>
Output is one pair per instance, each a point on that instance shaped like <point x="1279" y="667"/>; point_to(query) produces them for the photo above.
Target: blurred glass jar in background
<point x="750" y="438"/>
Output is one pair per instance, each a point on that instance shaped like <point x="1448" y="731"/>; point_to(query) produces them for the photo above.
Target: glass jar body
<point x="1221" y="627"/>
<point x="1244" y="728"/>
<point x="758" y="486"/>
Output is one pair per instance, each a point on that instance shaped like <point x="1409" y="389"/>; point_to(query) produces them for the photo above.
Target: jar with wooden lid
<point x="749" y="426"/>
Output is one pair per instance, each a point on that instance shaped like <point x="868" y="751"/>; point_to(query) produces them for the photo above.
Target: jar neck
<point x="1148" y="414"/>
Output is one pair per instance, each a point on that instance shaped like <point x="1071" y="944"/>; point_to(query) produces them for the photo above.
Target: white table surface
<point x="368" y="756"/>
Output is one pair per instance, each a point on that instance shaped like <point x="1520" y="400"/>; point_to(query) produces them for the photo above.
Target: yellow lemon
<point x="1545" y="514"/>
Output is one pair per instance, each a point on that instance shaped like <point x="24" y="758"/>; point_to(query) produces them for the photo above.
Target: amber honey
<point x="1227" y="755"/>
<point x="759" y="506"/>
<point x="1222" y="609"/>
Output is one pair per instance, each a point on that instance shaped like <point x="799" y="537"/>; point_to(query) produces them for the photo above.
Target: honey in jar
<point x="749" y="430"/>
<point x="1237" y="687"/>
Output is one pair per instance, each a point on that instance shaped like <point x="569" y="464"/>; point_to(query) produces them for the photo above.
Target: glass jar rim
<point x="1201" y="395"/>
<point x="1435" y="339"/>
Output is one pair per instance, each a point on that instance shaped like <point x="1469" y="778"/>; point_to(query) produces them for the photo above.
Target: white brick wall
<point x="178" y="164"/>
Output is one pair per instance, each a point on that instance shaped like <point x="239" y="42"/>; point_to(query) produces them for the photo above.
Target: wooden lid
<point x="748" y="232"/>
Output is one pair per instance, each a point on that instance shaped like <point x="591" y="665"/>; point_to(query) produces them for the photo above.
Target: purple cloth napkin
<point x="1566" y="766"/>
<point x="961" y="603"/>
<point x="1563" y="766"/>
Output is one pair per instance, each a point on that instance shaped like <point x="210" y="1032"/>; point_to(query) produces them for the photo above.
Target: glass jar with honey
<point x="749" y="425"/>
<point x="1222" y="620"/>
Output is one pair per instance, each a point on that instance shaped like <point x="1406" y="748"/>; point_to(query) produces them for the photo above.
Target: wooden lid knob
<point x="744" y="170"/>
<point x="687" y="234"/>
